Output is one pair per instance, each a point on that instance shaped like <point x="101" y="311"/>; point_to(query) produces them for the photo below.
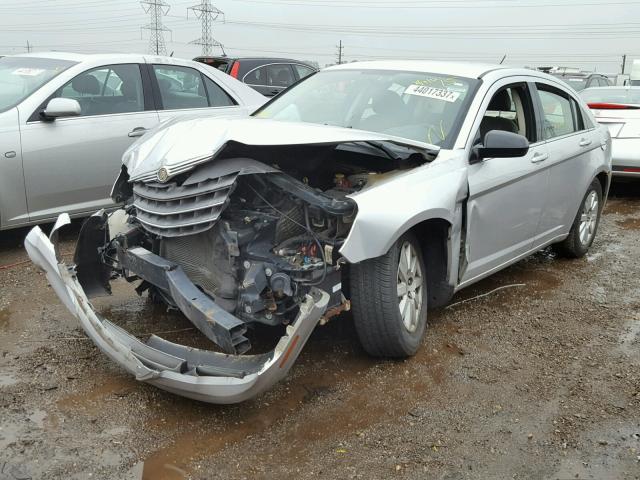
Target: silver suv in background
<point x="66" y="119"/>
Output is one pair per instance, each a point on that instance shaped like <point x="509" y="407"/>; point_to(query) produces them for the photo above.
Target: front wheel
<point x="389" y="295"/>
<point x="585" y="225"/>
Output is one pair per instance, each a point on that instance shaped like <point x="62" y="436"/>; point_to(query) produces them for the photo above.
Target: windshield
<point x="21" y="76"/>
<point x="425" y="107"/>
<point x="612" y="95"/>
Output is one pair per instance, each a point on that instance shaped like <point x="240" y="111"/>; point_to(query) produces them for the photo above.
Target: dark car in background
<point x="269" y="76"/>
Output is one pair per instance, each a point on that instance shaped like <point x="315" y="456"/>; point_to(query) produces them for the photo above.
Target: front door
<point x="71" y="163"/>
<point x="506" y="195"/>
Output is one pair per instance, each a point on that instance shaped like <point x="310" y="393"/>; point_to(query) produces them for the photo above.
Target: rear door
<point x="71" y="163"/>
<point x="181" y="91"/>
<point x="506" y="195"/>
<point x="13" y="203"/>
<point x="573" y="145"/>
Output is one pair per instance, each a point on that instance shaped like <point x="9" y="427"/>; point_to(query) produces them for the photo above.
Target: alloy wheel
<point x="410" y="286"/>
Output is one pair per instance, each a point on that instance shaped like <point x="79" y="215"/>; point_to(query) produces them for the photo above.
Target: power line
<point x="207" y="14"/>
<point x="156" y="9"/>
<point x="443" y="4"/>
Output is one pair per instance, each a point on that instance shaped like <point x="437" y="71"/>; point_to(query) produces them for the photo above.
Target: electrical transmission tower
<point x="156" y="9"/>
<point x="207" y="14"/>
<point x="340" y="48"/>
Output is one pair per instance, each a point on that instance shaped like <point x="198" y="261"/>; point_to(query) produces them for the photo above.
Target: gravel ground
<point x="537" y="381"/>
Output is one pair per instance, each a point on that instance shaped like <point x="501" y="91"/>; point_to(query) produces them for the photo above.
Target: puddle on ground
<point x="5" y="316"/>
<point x="629" y="223"/>
<point x="90" y="400"/>
<point x="515" y="282"/>
<point x="8" y="376"/>
<point x="38" y="417"/>
<point x="328" y="367"/>
<point x="622" y="206"/>
<point x="630" y="340"/>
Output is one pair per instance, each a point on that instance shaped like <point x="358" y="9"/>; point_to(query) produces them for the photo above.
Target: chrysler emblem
<point x="163" y="175"/>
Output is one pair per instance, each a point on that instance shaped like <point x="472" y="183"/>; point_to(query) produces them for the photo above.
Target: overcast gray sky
<point x="583" y="33"/>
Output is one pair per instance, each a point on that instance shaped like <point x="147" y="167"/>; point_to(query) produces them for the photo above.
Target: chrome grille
<point x="172" y="210"/>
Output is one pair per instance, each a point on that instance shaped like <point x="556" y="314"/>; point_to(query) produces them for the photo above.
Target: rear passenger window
<point x="106" y="90"/>
<point x="180" y="87"/>
<point x="558" y="113"/>
<point x="217" y="96"/>
<point x="280" y="75"/>
<point x="303" y="71"/>
<point x="256" y="77"/>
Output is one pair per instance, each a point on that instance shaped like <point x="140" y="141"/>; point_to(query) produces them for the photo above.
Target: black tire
<point x="376" y="305"/>
<point x="574" y="246"/>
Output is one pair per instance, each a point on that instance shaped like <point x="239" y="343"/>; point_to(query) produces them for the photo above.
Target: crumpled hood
<point x="179" y="144"/>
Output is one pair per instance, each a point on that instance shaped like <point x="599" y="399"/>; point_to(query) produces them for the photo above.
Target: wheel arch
<point x="605" y="182"/>
<point x="435" y="237"/>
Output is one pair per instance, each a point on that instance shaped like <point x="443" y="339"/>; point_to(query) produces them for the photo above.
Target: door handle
<point x="539" y="157"/>
<point x="585" y="142"/>
<point x="137" y="132"/>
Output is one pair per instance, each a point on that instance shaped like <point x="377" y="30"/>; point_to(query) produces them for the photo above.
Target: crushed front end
<point x="229" y="244"/>
<point x="243" y="235"/>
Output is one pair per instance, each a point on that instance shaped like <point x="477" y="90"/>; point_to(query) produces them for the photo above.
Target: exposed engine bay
<point x="254" y="230"/>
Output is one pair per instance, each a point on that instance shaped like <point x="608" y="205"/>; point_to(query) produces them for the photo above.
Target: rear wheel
<point x="389" y="295"/>
<point x="585" y="225"/>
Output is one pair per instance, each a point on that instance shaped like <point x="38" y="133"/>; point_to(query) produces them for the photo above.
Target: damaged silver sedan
<point x="381" y="187"/>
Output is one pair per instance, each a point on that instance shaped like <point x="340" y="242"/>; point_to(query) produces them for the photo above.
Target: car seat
<point x="388" y="109"/>
<point x="501" y="102"/>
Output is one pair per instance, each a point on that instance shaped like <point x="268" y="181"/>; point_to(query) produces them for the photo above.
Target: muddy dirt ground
<point x="536" y="381"/>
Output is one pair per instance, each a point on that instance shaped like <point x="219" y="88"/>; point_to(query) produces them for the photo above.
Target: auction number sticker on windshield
<point x="432" y="92"/>
<point x="28" y="72"/>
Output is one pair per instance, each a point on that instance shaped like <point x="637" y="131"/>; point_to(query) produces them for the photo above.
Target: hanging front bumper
<point x="199" y="374"/>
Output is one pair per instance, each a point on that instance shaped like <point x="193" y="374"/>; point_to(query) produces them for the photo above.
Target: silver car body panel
<point x="69" y="164"/>
<point x="499" y="210"/>
<point x="13" y="200"/>
<point x="180" y="144"/>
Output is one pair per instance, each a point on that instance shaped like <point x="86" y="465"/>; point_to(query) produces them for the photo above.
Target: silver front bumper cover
<point x="199" y="374"/>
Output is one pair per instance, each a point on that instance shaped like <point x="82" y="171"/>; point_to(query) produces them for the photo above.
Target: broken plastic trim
<point x="199" y="374"/>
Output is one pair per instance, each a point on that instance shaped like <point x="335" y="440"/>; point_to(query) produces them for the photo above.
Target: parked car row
<point x="66" y="120"/>
<point x="384" y="187"/>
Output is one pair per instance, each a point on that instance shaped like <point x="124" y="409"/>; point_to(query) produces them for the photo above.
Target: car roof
<point x="270" y="59"/>
<point x="460" y="69"/>
<point x="614" y="87"/>
<point x="82" y="57"/>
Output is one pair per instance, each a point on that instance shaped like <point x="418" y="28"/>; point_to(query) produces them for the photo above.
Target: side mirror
<point x="61" y="107"/>
<point x="500" y="144"/>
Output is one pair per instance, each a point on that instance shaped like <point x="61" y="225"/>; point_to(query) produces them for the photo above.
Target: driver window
<point x="106" y="90"/>
<point x="510" y="110"/>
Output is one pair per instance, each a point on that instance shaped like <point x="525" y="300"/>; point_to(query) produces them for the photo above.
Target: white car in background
<point x="619" y="109"/>
<point x="66" y="119"/>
